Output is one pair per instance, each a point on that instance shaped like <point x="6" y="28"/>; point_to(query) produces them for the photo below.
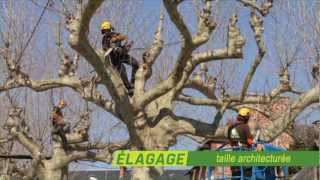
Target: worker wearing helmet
<point x="239" y="135"/>
<point x="60" y="127"/>
<point x="239" y="131"/>
<point x="119" y="46"/>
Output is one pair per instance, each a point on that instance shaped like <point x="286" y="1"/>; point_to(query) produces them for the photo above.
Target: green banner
<point x="216" y="158"/>
<point x="150" y="158"/>
<point x="254" y="158"/>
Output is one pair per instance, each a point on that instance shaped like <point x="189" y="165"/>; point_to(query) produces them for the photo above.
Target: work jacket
<point x="239" y="132"/>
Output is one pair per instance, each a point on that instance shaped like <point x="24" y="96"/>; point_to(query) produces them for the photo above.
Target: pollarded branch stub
<point x="284" y="78"/>
<point x="206" y="25"/>
<point x="83" y="125"/>
<point x="265" y="7"/>
<point x="67" y="66"/>
<point x="204" y="72"/>
<point x="90" y="87"/>
<point x="235" y="40"/>
<point x="16" y="77"/>
<point x="256" y="23"/>
<point x="154" y="51"/>
<point x="69" y="21"/>
<point x="197" y="77"/>
<point x="204" y="67"/>
<point x="212" y="81"/>
<point x="224" y="94"/>
<point x="16" y="120"/>
<point x="207" y="18"/>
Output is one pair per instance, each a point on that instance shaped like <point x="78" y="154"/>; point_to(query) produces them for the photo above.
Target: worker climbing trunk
<point x="118" y="54"/>
<point x="60" y="127"/>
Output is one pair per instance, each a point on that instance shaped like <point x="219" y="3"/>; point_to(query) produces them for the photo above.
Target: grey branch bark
<point x="86" y="88"/>
<point x="104" y="153"/>
<point x="145" y="70"/>
<point x="256" y="24"/>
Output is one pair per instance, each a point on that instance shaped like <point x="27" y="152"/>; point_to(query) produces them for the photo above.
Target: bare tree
<point x="149" y="115"/>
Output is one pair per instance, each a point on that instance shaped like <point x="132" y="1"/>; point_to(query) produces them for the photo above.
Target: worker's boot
<point x="127" y="84"/>
<point x="131" y="91"/>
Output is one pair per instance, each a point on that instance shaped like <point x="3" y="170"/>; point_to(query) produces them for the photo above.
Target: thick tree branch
<point x="185" y="53"/>
<point x="206" y="25"/>
<point x="172" y="9"/>
<point x="29" y="175"/>
<point x="145" y="70"/>
<point x="207" y="88"/>
<point x="187" y="62"/>
<point x="234" y="49"/>
<point x="195" y="127"/>
<point x="104" y="154"/>
<point x="154" y="51"/>
<point x="280" y="124"/>
<point x="198" y="100"/>
<point x="80" y="133"/>
<point x="218" y="54"/>
<point x="235" y="101"/>
<point x="198" y="128"/>
<point x="18" y="130"/>
<point x="256" y="24"/>
<point x="86" y="88"/>
<point x="263" y="9"/>
<point x="185" y="125"/>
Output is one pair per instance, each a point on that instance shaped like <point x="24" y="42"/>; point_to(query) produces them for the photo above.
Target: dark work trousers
<point x="119" y="56"/>
<point x="59" y="129"/>
<point x="236" y="172"/>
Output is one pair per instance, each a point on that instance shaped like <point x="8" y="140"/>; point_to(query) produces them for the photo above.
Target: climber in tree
<point x="59" y="125"/>
<point x="118" y="53"/>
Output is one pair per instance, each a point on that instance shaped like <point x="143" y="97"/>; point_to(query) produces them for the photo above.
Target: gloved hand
<point x="259" y="147"/>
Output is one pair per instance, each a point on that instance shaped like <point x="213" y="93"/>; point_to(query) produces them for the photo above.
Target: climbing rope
<point x="33" y="31"/>
<point x="165" y="45"/>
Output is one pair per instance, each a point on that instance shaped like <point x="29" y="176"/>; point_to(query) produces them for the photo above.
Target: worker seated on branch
<point x="117" y="48"/>
<point x="240" y="136"/>
<point x="60" y="127"/>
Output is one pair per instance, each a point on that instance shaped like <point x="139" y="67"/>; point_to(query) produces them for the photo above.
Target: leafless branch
<point x="149" y="57"/>
<point x="186" y="62"/>
<point x="104" y="155"/>
<point x="262" y="9"/>
<point x="86" y="88"/>
<point x="17" y="128"/>
<point x="281" y="123"/>
<point x="256" y="23"/>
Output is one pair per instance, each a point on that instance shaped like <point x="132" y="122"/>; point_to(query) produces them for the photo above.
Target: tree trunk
<point x="5" y="177"/>
<point x="156" y="138"/>
<point x="142" y="173"/>
<point x="51" y="174"/>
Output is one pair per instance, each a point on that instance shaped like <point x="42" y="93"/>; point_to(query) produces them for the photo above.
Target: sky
<point x="280" y="29"/>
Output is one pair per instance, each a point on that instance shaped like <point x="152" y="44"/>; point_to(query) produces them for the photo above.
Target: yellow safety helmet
<point x="244" y="112"/>
<point x="106" y="25"/>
